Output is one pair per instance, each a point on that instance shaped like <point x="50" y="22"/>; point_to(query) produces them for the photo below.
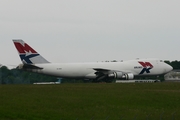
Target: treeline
<point x="15" y="76"/>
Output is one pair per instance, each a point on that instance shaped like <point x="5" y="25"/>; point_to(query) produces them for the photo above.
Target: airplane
<point x="97" y="71"/>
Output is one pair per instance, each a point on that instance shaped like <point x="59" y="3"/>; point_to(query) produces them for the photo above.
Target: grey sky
<point x="91" y="30"/>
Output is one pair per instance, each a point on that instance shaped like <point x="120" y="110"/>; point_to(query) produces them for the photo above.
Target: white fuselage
<point x="88" y="70"/>
<point x="33" y="61"/>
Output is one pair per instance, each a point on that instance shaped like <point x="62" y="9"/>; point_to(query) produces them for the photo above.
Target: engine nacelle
<point x="128" y="76"/>
<point x="120" y="75"/>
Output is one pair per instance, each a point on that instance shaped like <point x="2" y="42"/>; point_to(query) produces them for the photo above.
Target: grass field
<point x="132" y="101"/>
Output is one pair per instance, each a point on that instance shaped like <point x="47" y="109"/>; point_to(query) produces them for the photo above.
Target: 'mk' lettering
<point x="147" y="66"/>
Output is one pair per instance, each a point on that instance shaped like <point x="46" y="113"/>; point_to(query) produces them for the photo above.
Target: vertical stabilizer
<point x="27" y="54"/>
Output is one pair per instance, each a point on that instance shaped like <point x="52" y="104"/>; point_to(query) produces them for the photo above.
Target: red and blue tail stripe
<point x="27" y="54"/>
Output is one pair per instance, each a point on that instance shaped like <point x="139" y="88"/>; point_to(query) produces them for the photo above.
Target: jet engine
<point x="120" y="75"/>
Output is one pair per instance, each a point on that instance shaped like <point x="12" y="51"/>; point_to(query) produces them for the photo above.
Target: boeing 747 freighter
<point x="126" y="70"/>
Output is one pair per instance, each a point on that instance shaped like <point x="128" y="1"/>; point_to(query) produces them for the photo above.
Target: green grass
<point x="140" y="101"/>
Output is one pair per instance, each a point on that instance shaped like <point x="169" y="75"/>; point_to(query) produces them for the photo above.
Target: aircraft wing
<point x="108" y="71"/>
<point x="105" y="73"/>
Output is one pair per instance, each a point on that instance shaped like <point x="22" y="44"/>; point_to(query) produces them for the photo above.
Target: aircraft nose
<point x="168" y="68"/>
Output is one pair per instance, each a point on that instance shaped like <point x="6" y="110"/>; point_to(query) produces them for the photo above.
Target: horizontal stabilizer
<point x="28" y="66"/>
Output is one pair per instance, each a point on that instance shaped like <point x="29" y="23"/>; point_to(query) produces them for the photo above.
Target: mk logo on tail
<point x="23" y="48"/>
<point x="147" y="66"/>
<point x="25" y="51"/>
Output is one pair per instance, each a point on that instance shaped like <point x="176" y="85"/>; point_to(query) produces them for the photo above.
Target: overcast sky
<point x="91" y="30"/>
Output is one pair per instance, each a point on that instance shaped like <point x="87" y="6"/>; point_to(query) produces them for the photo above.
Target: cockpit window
<point x="161" y="61"/>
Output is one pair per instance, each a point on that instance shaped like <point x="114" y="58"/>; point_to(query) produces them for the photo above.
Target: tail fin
<point x="27" y="54"/>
